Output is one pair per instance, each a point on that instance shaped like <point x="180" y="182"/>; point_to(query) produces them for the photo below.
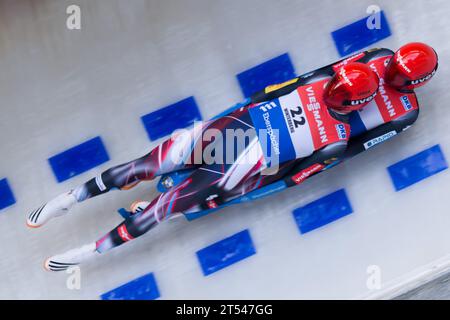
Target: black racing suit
<point x="356" y="145"/>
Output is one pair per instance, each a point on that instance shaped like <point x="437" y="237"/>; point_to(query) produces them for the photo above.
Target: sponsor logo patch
<point x="377" y="140"/>
<point x="364" y="100"/>
<point x="342" y="134"/>
<point x="406" y="103"/>
<point x="314" y="106"/>
<point x="267" y="106"/>
<point x="306" y="173"/>
<point x="414" y="82"/>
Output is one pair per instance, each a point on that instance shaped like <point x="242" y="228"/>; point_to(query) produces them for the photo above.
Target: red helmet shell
<point x="352" y="87"/>
<point x="412" y="66"/>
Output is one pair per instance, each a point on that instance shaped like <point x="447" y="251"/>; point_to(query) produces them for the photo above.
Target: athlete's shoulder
<point x="394" y="104"/>
<point x="410" y="112"/>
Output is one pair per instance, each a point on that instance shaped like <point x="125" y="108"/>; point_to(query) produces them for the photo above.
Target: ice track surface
<point x="60" y="88"/>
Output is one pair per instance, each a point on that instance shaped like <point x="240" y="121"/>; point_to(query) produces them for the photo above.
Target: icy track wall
<point x="75" y="102"/>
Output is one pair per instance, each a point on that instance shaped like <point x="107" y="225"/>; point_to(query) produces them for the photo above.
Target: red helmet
<point x="411" y="66"/>
<point x="351" y="88"/>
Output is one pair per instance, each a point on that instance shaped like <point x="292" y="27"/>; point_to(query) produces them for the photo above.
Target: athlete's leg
<point x="161" y="159"/>
<point x="183" y="150"/>
<point x="125" y="176"/>
<point x="185" y="195"/>
<point x="206" y="187"/>
<point x="199" y="191"/>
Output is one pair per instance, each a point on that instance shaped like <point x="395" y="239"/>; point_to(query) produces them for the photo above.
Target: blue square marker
<point x="322" y="211"/>
<point x="78" y="159"/>
<point x="142" y="288"/>
<point x="274" y="71"/>
<point x="166" y="120"/>
<point x="417" y="167"/>
<point x="357" y="35"/>
<point x="6" y="195"/>
<point x="226" y="252"/>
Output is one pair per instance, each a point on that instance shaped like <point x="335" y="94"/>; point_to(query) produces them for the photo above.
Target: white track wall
<point x="59" y="88"/>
